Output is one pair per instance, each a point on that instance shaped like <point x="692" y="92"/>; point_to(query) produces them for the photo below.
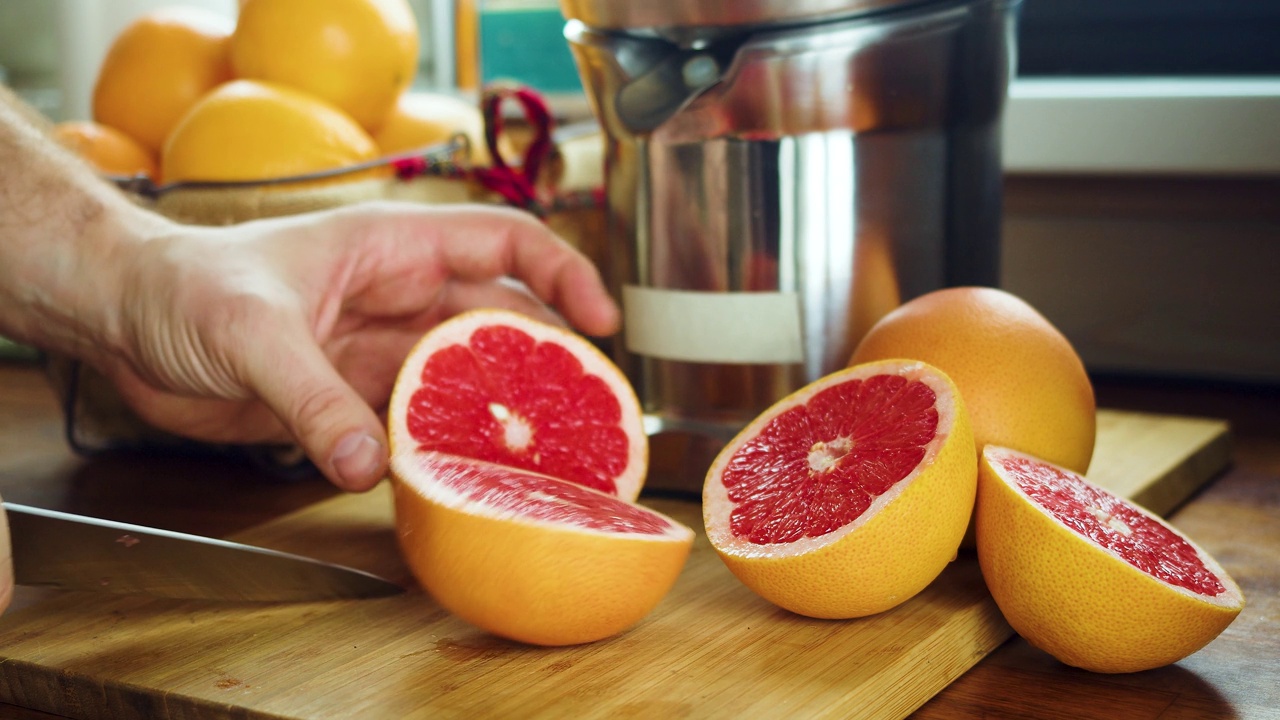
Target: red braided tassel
<point x="517" y="186"/>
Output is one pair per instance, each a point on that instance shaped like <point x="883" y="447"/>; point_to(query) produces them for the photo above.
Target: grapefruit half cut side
<point x="1094" y="580"/>
<point x="501" y="387"/>
<point x="849" y="496"/>
<point x="530" y="557"/>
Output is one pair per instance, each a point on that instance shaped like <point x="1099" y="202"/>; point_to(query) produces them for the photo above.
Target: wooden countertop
<point x="1237" y="518"/>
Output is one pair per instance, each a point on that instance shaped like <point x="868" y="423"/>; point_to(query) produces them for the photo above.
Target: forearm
<point x="65" y="236"/>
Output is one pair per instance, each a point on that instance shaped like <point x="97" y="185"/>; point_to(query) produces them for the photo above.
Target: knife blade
<point x="72" y="552"/>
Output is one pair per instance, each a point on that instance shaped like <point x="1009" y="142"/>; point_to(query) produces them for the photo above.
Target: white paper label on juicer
<point x="712" y="327"/>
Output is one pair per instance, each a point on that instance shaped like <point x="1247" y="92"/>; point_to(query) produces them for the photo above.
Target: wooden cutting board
<point x="710" y="649"/>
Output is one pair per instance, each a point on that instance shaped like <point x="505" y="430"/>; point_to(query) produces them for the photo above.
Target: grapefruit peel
<point x="542" y="581"/>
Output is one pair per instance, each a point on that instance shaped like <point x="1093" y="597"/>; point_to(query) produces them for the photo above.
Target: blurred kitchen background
<point x="1142" y="154"/>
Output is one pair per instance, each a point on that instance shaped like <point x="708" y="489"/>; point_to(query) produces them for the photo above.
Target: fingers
<point x="477" y="244"/>
<point x="458" y="297"/>
<point x="379" y="267"/>
<point x="335" y="427"/>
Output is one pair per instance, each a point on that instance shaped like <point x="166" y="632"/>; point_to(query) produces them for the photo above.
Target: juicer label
<point x="712" y="327"/>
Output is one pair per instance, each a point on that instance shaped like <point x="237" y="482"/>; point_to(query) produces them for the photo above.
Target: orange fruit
<point x="157" y="68"/>
<point x="110" y="151"/>
<point x="498" y="386"/>
<point x="849" y="496"/>
<point x="1090" y="578"/>
<point x="422" y="119"/>
<point x="250" y="130"/>
<point x="516" y="447"/>
<point x="1023" y="384"/>
<point x="359" y="55"/>
<point x="530" y="557"/>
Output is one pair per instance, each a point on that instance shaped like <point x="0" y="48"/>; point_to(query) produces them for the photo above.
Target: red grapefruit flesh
<point x="849" y="496"/>
<point x="516" y="448"/>
<point x="497" y="386"/>
<point x="1095" y="580"/>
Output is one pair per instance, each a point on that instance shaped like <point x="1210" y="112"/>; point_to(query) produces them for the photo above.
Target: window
<point x="1149" y="37"/>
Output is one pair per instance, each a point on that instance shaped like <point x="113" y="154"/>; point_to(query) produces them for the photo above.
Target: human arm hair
<point x="61" y="227"/>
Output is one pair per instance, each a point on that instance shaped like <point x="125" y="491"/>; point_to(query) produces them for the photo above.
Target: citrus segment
<point x="530" y="557"/>
<point x="849" y="496"/>
<point x="1092" y="579"/>
<point x="500" y="387"/>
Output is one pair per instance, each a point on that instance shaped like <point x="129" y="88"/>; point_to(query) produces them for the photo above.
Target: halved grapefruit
<point x="516" y="448"/>
<point x="499" y="386"/>
<point x="1094" y="580"/>
<point x="849" y="496"/>
<point x="529" y="557"/>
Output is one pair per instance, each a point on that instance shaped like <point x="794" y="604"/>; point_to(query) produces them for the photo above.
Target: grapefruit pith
<point x="849" y="496"/>
<point x="498" y="386"/>
<point x="529" y="557"/>
<point x="1090" y="578"/>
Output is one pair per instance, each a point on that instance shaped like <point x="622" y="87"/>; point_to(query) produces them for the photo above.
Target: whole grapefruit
<point x="157" y="68"/>
<point x="421" y="119"/>
<point x="251" y="130"/>
<point x="110" y="151"/>
<point x="359" y="55"/>
<point x="1023" y="383"/>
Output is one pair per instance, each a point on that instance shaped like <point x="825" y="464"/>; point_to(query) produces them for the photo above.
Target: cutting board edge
<point x="1190" y="476"/>
<point x="109" y="699"/>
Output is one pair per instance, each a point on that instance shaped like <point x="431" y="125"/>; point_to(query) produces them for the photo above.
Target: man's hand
<point x="269" y="331"/>
<point x="295" y="328"/>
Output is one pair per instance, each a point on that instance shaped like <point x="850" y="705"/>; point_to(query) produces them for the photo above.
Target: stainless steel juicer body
<point x="780" y="175"/>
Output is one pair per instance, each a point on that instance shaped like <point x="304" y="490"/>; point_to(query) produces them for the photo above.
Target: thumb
<point x="333" y="424"/>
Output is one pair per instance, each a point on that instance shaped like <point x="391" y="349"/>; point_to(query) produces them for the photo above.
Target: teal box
<point x="527" y="45"/>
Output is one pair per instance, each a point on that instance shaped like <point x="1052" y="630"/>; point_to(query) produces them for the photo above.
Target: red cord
<point x="518" y="185"/>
